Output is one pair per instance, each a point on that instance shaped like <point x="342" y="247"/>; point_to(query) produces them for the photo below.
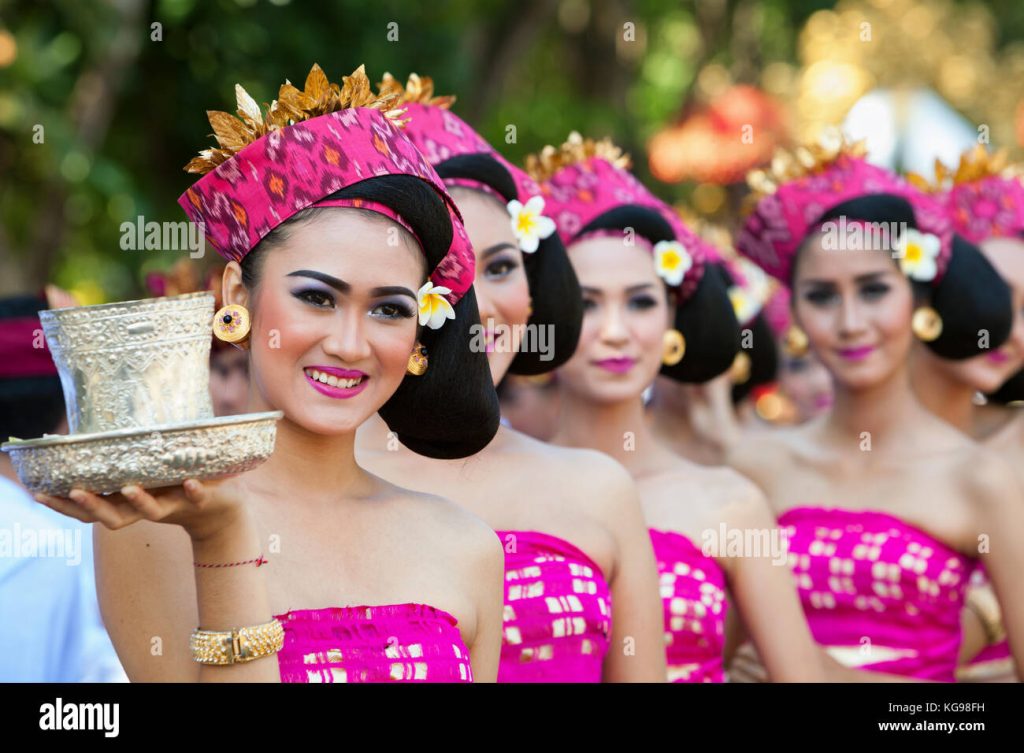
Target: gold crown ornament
<point x="573" y="151"/>
<point x="317" y="97"/>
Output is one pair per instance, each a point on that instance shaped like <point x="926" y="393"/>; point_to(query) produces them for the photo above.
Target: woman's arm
<point x="1000" y="508"/>
<point x="485" y="650"/>
<point x="142" y="590"/>
<point x="765" y="594"/>
<point x="637" y="649"/>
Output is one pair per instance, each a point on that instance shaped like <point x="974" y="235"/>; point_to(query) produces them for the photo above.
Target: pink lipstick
<point x="857" y="354"/>
<point x="617" y="365"/>
<point x="335" y="382"/>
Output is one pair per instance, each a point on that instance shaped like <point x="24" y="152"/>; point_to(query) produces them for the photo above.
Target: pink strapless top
<point x="693" y="595"/>
<point x="557" y="621"/>
<point x="389" y="643"/>
<point x="878" y="593"/>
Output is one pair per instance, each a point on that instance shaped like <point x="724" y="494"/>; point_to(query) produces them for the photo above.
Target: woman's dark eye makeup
<point x="819" y="295"/>
<point x="502" y="266"/>
<point x="395" y="310"/>
<point x="390" y="309"/>
<point x="315" y="297"/>
<point x="872" y="290"/>
<point x="642" y="302"/>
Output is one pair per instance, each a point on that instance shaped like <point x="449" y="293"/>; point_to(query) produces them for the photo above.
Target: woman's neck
<point x="617" y="429"/>
<point x="878" y="412"/>
<point x="307" y="467"/>
<point x="949" y="399"/>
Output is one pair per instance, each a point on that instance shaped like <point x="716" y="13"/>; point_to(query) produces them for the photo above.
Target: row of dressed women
<point x="388" y="267"/>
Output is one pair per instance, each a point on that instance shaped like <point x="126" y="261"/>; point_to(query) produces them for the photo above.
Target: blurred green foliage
<point x="120" y="87"/>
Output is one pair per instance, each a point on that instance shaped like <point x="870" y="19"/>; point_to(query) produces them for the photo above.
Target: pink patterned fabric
<point x="390" y="643"/>
<point x="779" y="222"/>
<point x="777" y="311"/>
<point x="693" y="594"/>
<point x="986" y="208"/>
<point x="879" y="593"/>
<point x="557" y="622"/>
<point x="581" y="192"/>
<point x="441" y="134"/>
<point x="295" y="167"/>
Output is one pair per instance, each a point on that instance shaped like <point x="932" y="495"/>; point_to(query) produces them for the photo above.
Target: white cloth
<point x="50" y="624"/>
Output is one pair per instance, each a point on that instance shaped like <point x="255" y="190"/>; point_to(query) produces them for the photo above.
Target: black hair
<point x="971" y="297"/>
<point x="451" y="411"/>
<point x="763" y="353"/>
<point x="29" y="406"/>
<point x="1010" y="391"/>
<point x="706" y="320"/>
<point x="557" y="300"/>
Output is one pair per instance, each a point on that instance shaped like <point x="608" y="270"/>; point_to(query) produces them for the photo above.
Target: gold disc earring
<point x="673" y="347"/>
<point x="795" y="342"/>
<point x="739" y="372"/>
<point x="417" y="365"/>
<point x="231" y="324"/>
<point x="927" y="323"/>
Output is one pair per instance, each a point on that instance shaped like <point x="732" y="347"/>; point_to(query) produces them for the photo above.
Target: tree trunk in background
<point x="90" y="109"/>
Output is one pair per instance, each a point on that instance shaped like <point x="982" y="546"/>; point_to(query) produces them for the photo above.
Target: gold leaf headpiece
<point x="804" y="160"/>
<point x="975" y="164"/>
<point x="576" y="149"/>
<point x="418" y="89"/>
<point x="318" y="97"/>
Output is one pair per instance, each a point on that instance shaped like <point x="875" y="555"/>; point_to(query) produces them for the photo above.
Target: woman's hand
<point x="202" y="508"/>
<point x="746" y="665"/>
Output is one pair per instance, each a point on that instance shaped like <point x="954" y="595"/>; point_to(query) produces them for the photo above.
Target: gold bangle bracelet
<point x="982" y="601"/>
<point x="236" y="646"/>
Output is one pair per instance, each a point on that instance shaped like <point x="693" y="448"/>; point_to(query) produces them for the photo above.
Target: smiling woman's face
<point x="625" y="316"/>
<point x="856" y="308"/>
<point x="335" y="301"/>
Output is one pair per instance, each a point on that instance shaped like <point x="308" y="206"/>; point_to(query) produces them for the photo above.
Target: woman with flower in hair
<point x="984" y="200"/>
<point x="884" y="505"/>
<point x="346" y="258"/>
<point x="655" y="303"/>
<point x="580" y="582"/>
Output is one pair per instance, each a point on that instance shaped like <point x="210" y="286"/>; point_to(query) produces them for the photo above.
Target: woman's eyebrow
<point x="869" y="276"/>
<point x="343" y="287"/>
<point x="496" y="248"/>
<point x="392" y="290"/>
<point x="641" y="286"/>
<point x="340" y="285"/>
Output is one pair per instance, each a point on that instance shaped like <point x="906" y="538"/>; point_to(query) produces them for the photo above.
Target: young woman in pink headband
<point x="346" y="259"/>
<point x="580" y="581"/>
<point x="655" y="302"/>
<point x="886" y="507"/>
<point x="985" y="202"/>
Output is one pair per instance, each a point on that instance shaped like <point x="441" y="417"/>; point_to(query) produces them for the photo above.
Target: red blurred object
<point x="719" y="142"/>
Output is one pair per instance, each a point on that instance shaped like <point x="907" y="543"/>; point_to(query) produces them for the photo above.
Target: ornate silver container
<point x="105" y="463"/>
<point x="133" y="364"/>
<point x="135" y="376"/>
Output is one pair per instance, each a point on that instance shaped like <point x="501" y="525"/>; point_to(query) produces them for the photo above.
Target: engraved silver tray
<point x="165" y="455"/>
